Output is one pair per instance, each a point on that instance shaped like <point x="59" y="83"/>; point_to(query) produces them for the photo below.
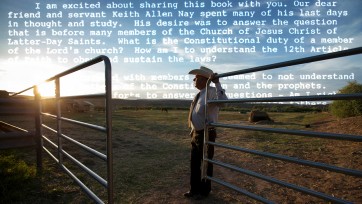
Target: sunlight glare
<point x="47" y="89"/>
<point x="21" y="75"/>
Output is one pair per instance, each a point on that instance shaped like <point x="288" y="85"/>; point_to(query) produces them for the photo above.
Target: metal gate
<point x="324" y="135"/>
<point x="57" y="146"/>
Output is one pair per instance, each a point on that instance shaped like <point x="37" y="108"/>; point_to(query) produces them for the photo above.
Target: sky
<point x="284" y="30"/>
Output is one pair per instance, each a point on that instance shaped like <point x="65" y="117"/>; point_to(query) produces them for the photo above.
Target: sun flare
<point x="21" y="75"/>
<point x="47" y="89"/>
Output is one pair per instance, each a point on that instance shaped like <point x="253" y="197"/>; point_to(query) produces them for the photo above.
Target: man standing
<point x="199" y="187"/>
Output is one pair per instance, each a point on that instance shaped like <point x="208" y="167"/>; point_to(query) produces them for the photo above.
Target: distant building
<point x="76" y="105"/>
<point x="82" y="106"/>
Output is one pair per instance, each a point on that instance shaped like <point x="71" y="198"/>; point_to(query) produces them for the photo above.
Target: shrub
<point x="348" y="108"/>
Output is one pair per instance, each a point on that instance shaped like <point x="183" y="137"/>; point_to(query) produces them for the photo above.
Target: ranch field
<point x="151" y="152"/>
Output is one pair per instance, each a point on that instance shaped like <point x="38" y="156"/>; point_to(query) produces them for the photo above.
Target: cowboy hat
<point x="203" y="71"/>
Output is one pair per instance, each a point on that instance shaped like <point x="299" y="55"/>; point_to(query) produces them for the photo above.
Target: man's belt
<point x="201" y="131"/>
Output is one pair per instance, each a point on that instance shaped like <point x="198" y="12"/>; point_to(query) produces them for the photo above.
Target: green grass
<point x="22" y="183"/>
<point x="15" y="173"/>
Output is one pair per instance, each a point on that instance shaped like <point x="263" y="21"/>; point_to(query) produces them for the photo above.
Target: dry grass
<point x="151" y="159"/>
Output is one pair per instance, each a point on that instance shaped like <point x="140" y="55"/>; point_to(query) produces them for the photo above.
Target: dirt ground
<point x="176" y="181"/>
<point x="334" y="152"/>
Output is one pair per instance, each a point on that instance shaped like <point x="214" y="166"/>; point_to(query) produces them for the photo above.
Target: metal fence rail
<point x="12" y="136"/>
<point x="15" y="137"/>
<point x="58" y="145"/>
<point x="345" y="137"/>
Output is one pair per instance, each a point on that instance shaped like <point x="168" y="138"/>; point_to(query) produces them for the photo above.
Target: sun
<point x="20" y="75"/>
<point x="47" y="89"/>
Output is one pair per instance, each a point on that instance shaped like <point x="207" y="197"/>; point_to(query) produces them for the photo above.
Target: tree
<point x="348" y="108"/>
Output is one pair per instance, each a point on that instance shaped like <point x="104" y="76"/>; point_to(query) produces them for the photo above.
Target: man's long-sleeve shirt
<point x="198" y="112"/>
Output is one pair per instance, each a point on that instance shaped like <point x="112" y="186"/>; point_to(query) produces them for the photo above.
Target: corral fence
<point x="14" y="137"/>
<point x="307" y="163"/>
